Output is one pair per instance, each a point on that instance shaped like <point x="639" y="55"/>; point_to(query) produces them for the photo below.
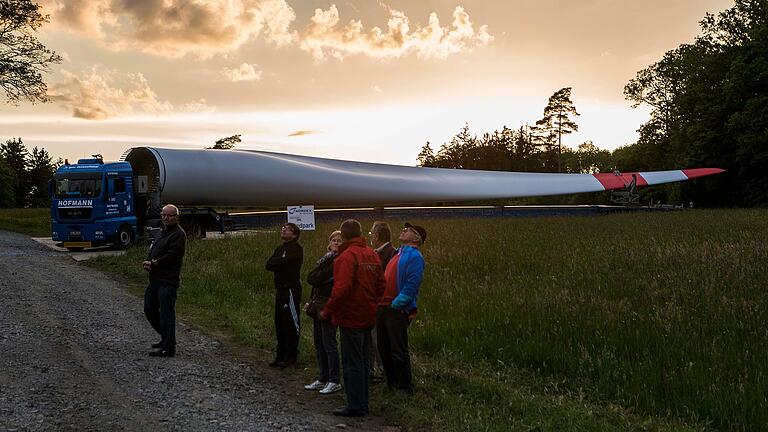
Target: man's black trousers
<point x="354" y="363"/>
<point x="160" y="309"/>
<point x="392" y="333"/>
<point x="287" y="328"/>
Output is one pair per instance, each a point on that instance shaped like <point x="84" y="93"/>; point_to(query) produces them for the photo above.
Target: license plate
<point x="75" y="233"/>
<point x="77" y="244"/>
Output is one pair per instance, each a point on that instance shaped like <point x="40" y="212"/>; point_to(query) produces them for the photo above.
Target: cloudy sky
<point x="369" y="80"/>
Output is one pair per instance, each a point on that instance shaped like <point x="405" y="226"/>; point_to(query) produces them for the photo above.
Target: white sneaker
<point x="331" y="387"/>
<point x="317" y="385"/>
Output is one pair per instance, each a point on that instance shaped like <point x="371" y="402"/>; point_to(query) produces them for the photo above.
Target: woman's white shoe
<point x="317" y="385"/>
<point x="331" y="387"/>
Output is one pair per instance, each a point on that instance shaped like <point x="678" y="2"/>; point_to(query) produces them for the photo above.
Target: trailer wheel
<point x="124" y="237"/>
<point x="196" y="230"/>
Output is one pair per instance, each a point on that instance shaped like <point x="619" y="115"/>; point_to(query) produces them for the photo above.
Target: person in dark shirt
<point x="164" y="265"/>
<point x="380" y="237"/>
<point x="286" y="262"/>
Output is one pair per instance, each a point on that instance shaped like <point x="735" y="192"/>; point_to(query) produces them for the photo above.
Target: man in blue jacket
<point x="397" y="307"/>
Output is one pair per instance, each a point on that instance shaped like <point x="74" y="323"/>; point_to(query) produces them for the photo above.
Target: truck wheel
<point x="124" y="237"/>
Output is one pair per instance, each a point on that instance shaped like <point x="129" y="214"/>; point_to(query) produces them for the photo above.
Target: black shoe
<point x="162" y="353"/>
<point x="278" y="362"/>
<point x="346" y="412"/>
<point x="158" y="345"/>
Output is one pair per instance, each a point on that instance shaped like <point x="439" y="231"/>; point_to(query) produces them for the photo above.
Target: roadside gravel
<point x="73" y="356"/>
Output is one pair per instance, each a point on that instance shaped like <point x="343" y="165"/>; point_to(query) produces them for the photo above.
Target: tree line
<point x="709" y="102"/>
<point x="24" y="175"/>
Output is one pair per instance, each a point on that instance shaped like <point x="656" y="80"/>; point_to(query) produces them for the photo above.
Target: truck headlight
<point x="55" y="235"/>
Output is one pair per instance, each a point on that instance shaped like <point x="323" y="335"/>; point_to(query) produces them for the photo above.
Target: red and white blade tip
<point x="701" y="172"/>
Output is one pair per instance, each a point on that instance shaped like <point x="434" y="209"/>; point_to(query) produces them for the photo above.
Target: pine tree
<point x="41" y="169"/>
<point x="15" y="155"/>
<point x="8" y="182"/>
<point x="556" y="121"/>
<point x="426" y="157"/>
<point x="226" y="143"/>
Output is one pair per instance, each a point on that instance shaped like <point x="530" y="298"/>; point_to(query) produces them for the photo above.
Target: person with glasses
<point x="164" y="266"/>
<point x="397" y="307"/>
<point x="285" y="263"/>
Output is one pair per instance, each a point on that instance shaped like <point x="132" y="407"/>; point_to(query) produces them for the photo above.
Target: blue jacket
<point x="410" y="272"/>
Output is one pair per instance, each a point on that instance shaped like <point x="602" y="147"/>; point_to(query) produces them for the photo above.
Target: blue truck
<point x="95" y="203"/>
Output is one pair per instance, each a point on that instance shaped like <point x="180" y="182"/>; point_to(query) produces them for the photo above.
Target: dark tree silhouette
<point x="8" y="182"/>
<point x="556" y="121"/>
<point x="41" y="168"/>
<point x="426" y="157"/>
<point x="15" y="155"/>
<point x="226" y="143"/>
<point x="23" y="59"/>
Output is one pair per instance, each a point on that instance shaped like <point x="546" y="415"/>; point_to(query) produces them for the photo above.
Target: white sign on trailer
<point x="303" y="216"/>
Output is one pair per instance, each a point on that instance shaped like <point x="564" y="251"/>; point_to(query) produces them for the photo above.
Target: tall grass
<point x="35" y="222"/>
<point x="622" y="322"/>
<point x="664" y="312"/>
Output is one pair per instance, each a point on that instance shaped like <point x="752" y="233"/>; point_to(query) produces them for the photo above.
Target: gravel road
<point x="73" y="356"/>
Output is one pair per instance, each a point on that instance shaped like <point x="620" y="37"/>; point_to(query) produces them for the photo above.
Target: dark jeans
<point x="354" y="360"/>
<point x="287" y="322"/>
<point x="160" y="309"/>
<point x="327" y="352"/>
<point x="374" y="359"/>
<point x="392" y="331"/>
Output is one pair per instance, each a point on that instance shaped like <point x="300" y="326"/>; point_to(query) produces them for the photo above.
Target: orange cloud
<point x="203" y="28"/>
<point x="245" y="72"/>
<point x="101" y="94"/>
<point x="303" y="132"/>
<point x="324" y="38"/>
<point x="175" y="28"/>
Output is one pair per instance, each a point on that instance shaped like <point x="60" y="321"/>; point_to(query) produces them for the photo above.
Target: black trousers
<point x="160" y="309"/>
<point x="392" y="334"/>
<point x="354" y="362"/>
<point x="287" y="326"/>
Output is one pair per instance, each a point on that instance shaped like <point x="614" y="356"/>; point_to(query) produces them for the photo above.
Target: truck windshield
<point x="77" y="187"/>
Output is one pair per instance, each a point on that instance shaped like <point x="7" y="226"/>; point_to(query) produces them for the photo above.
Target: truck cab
<point x="92" y="204"/>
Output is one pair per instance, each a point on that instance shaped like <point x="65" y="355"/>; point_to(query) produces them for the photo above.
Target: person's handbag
<point x="315" y="305"/>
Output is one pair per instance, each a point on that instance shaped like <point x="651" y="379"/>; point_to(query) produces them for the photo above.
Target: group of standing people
<point x="369" y="295"/>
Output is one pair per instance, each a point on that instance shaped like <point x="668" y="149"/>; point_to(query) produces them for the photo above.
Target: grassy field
<point x="35" y="222"/>
<point x="622" y="322"/>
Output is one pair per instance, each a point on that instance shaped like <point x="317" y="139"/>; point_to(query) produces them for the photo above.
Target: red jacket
<point x="358" y="284"/>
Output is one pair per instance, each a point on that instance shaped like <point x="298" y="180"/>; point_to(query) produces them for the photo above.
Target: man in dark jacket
<point x="358" y="283"/>
<point x="381" y="241"/>
<point x="164" y="265"/>
<point x="286" y="262"/>
<point x="380" y="237"/>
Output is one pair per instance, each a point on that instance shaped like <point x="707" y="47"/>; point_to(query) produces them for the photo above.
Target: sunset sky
<point x="363" y="80"/>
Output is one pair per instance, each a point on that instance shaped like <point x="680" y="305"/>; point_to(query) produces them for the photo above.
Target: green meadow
<point x="34" y="222"/>
<point x="645" y="321"/>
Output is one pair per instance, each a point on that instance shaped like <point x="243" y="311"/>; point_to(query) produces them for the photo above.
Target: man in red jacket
<point x="358" y="284"/>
